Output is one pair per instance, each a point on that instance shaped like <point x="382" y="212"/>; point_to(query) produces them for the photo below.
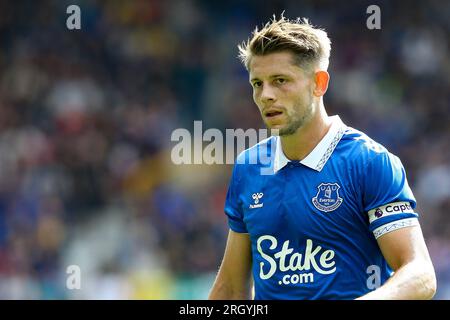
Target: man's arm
<point x="414" y="278"/>
<point x="234" y="278"/>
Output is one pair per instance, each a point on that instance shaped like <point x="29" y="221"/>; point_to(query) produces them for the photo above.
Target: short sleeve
<point x="387" y="197"/>
<point x="233" y="204"/>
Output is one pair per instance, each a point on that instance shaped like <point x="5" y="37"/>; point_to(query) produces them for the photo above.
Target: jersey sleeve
<point x="388" y="199"/>
<point x="233" y="204"/>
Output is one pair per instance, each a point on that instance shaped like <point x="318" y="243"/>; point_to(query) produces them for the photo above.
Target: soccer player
<point x="335" y="217"/>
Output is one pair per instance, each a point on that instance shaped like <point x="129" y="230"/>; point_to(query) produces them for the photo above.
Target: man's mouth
<point x="272" y="113"/>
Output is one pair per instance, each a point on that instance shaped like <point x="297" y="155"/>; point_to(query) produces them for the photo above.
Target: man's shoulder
<point x="358" y="146"/>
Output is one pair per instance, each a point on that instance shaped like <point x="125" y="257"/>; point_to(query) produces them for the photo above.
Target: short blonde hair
<point x="310" y="45"/>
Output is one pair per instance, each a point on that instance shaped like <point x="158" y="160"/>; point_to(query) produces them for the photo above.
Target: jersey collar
<point x="317" y="158"/>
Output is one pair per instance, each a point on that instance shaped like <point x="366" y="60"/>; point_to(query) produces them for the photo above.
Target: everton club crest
<point x="327" y="198"/>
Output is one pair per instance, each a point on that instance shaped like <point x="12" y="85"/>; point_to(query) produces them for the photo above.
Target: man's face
<point x="282" y="91"/>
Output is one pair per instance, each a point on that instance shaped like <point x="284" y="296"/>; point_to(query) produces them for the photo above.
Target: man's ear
<point x="321" y="79"/>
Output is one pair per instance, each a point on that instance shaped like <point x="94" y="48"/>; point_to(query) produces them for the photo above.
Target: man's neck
<point x="298" y="145"/>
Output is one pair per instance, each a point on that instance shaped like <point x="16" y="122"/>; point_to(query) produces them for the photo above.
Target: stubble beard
<point x="295" y="122"/>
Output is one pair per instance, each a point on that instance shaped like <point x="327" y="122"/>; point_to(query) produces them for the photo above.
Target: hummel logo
<point x="256" y="197"/>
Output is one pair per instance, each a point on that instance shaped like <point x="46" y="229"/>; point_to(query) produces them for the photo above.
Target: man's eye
<point x="256" y="84"/>
<point x="280" y="80"/>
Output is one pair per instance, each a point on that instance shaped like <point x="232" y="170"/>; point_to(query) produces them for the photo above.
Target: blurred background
<point x="86" y="118"/>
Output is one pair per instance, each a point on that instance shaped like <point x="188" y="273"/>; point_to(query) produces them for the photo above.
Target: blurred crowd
<point x="86" y="118"/>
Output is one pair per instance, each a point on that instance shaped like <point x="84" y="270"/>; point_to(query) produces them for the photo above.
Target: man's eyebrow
<point x="271" y="77"/>
<point x="279" y="75"/>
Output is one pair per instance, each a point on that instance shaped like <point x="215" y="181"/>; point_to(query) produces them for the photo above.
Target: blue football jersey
<point x="313" y="223"/>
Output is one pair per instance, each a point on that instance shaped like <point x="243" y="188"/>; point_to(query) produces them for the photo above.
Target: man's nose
<point x="268" y="94"/>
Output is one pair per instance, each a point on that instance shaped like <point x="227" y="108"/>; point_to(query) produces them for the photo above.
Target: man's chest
<point x="301" y="203"/>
